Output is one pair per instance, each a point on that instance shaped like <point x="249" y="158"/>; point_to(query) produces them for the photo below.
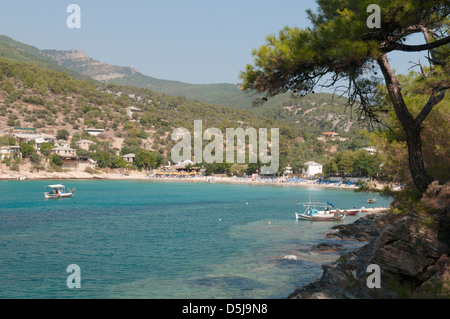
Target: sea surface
<point x="143" y="239"/>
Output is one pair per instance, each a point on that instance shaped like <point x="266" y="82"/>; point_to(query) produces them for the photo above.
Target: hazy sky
<point x="193" y="41"/>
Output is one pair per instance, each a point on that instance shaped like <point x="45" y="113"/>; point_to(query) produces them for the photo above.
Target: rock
<point x="327" y="248"/>
<point x="409" y="249"/>
<point x="363" y="229"/>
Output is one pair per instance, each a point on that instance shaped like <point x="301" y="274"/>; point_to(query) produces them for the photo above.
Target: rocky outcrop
<point x="363" y="229"/>
<point x="412" y="252"/>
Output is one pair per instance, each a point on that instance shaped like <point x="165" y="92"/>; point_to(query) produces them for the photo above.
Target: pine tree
<point x="340" y="50"/>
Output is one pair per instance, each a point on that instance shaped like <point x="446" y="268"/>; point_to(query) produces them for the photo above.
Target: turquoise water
<point x="139" y="239"/>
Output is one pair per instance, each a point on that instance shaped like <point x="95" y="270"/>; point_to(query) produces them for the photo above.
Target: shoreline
<point x="77" y="175"/>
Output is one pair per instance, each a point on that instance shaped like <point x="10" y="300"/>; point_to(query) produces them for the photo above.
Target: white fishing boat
<point x="58" y="191"/>
<point x="313" y="212"/>
<point x="372" y="200"/>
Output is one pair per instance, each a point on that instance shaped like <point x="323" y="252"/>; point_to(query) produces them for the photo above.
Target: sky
<point x="192" y="41"/>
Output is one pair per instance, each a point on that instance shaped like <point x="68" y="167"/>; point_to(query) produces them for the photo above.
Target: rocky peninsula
<point x="412" y="251"/>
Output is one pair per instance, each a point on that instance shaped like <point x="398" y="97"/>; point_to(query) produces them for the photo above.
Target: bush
<point x="56" y="160"/>
<point x="35" y="158"/>
<point x="62" y="135"/>
<point x="89" y="170"/>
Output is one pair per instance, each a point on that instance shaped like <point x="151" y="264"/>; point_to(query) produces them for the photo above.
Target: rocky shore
<point x="412" y="251"/>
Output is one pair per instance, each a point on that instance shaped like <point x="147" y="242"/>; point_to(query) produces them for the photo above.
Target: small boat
<point x="312" y="213"/>
<point x="372" y="200"/>
<point x="21" y="178"/>
<point x="348" y="212"/>
<point x="58" y="191"/>
<point x="373" y="210"/>
<point x="351" y="212"/>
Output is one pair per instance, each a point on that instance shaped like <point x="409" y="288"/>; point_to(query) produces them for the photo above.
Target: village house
<point x="129" y="158"/>
<point x="43" y="138"/>
<point x="71" y="160"/>
<point x="372" y="150"/>
<point x="94" y="131"/>
<point x="330" y="134"/>
<point x="9" y="152"/>
<point x="84" y="144"/>
<point x="312" y="168"/>
<point x="133" y="110"/>
<point x="64" y="151"/>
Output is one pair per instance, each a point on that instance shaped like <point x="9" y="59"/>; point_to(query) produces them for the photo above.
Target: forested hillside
<point x="46" y="93"/>
<point x="50" y="101"/>
<point x="323" y="110"/>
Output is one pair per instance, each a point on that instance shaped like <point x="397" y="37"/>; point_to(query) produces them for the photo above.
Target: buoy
<point x="246" y="203"/>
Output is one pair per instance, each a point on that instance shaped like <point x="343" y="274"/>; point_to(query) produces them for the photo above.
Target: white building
<point x="183" y="164"/>
<point x="94" y="131"/>
<point x="372" y="150"/>
<point x="312" y="168"/>
<point x="84" y="144"/>
<point x="64" y="151"/>
<point x="129" y="158"/>
<point x="9" y="151"/>
<point x="132" y="110"/>
<point x="288" y="170"/>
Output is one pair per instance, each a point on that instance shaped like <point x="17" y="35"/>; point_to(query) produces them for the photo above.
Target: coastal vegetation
<point x="339" y="49"/>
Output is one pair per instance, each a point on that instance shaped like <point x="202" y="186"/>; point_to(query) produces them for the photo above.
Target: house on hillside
<point x="9" y="152"/>
<point x="312" y="168"/>
<point x="84" y="144"/>
<point x="133" y="110"/>
<point x="129" y="158"/>
<point x="330" y="134"/>
<point x="71" y="160"/>
<point x="372" y="150"/>
<point x="94" y="131"/>
<point x="63" y="151"/>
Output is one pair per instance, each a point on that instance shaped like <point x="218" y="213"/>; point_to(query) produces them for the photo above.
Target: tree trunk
<point x="419" y="175"/>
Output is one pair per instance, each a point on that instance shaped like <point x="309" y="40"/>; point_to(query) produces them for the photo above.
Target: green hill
<point x="322" y="110"/>
<point x="52" y="90"/>
<point x="21" y="52"/>
<point x="328" y="112"/>
<point x="31" y="96"/>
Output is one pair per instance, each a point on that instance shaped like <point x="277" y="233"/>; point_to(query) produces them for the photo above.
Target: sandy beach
<point x="6" y="174"/>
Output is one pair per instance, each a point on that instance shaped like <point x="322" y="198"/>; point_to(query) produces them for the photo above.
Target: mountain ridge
<point x="318" y="110"/>
<point x="284" y="106"/>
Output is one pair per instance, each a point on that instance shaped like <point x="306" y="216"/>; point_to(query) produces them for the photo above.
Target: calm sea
<point x="142" y="239"/>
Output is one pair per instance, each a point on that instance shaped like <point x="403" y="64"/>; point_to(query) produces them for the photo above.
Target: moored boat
<point x="58" y="191"/>
<point x="348" y="212"/>
<point x="312" y="213"/>
<point x="372" y="200"/>
<point x="373" y="210"/>
<point x="352" y="212"/>
<point x="321" y="217"/>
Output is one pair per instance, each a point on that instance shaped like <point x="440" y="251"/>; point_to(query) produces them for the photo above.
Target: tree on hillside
<point x="62" y="134"/>
<point x="392" y="143"/>
<point x="341" y="50"/>
<point x="147" y="159"/>
<point x="26" y="149"/>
